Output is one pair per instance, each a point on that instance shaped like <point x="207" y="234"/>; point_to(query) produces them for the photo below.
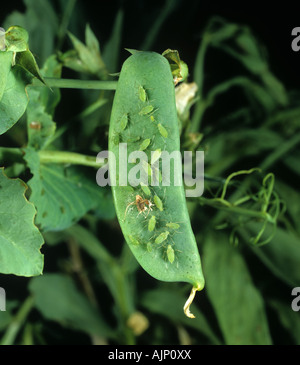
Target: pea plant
<point x="121" y="264"/>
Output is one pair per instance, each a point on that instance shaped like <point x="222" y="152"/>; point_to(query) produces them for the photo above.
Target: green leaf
<point x="41" y="22"/>
<point x="91" y="40"/>
<point x="58" y="299"/>
<point x="27" y="61"/>
<point x="289" y="319"/>
<point x="5" y="66"/>
<point x="42" y="103"/>
<point x="178" y="67"/>
<point x="41" y="107"/>
<point x="62" y="195"/>
<point x="40" y="126"/>
<point x="20" y="240"/>
<point x="281" y="255"/>
<point x="49" y="99"/>
<point x="88" y="57"/>
<point x="14" y="100"/>
<point x="238" y="304"/>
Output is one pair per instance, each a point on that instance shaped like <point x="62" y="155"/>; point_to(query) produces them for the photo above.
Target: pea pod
<point x="166" y="253"/>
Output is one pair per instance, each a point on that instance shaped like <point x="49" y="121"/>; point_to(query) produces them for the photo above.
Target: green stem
<point x="16" y="324"/>
<point x="64" y="157"/>
<point x="75" y="84"/>
<point x="112" y="273"/>
<point x="65" y="22"/>
<point x="280" y="151"/>
<point x="46" y="156"/>
<point x="10" y="154"/>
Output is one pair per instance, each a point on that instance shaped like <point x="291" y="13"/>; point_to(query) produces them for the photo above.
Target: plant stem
<point x="10" y="154"/>
<point x="75" y="84"/>
<point x="112" y="273"/>
<point x="65" y="22"/>
<point x="17" y="322"/>
<point x="46" y="156"/>
<point x="235" y="209"/>
<point x="280" y="152"/>
<point x="64" y="157"/>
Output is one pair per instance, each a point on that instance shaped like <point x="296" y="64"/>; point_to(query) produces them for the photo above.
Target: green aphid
<point x="158" y="203"/>
<point x="145" y="189"/>
<point x="151" y="223"/>
<point x="155" y="155"/>
<point x="162" y="237"/>
<point x="142" y="94"/>
<point x="170" y="254"/>
<point x="124" y="122"/>
<point x="144" y="144"/>
<point x="133" y="139"/>
<point x="147" y="168"/>
<point x="146" y="110"/>
<point x="162" y="130"/>
<point x="173" y="225"/>
<point x="116" y="138"/>
<point x="149" y="247"/>
<point x="133" y="240"/>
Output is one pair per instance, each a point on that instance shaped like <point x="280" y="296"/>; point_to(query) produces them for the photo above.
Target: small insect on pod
<point x="35" y="125"/>
<point x="170" y="254"/>
<point x="151" y="223"/>
<point x="142" y="94"/>
<point x="141" y="204"/>
<point x="146" y="110"/>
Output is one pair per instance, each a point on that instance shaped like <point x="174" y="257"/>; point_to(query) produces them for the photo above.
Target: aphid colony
<point x="147" y="110"/>
<point x="143" y="205"/>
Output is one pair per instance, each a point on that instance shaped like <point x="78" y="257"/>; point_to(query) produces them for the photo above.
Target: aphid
<point x="133" y="139"/>
<point x="170" y="254"/>
<point x="147" y="167"/>
<point x="149" y="247"/>
<point x="158" y="203"/>
<point x="173" y="225"/>
<point x="162" y="237"/>
<point x="133" y="240"/>
<point x="152" y="118"/>
<point x="162" y="130"/>
<point x="141" y="204"/>
<point x="155" y="155"/>
<point x="142" y="94"/>
<point x="144" y="144"/>
<point x="145" y="189"/>
<point x="124" y="122"/>
<point x="146" y="110"/>
<point x="151" y="223"/>
<point x="116" y="138"/>
<point x="35" y="125"/>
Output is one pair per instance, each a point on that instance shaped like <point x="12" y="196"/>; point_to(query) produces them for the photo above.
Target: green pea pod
<point x="166" y="253"/>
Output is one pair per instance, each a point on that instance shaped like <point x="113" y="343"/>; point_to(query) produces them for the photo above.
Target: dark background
<point x="272" y="24"/>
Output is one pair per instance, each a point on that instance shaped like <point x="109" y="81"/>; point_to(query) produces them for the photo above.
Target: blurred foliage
<point x="246" y="223"/>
